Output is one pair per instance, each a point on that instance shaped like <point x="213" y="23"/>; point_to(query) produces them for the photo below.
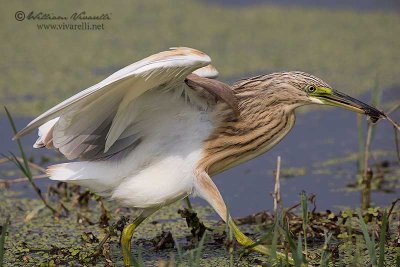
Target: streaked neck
<point x="236" y="140"/>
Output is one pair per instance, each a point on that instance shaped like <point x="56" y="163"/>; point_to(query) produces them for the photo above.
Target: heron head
<point x="318" y="92"/>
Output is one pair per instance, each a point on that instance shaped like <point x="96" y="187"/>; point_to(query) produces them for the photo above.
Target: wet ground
<point x="72" y="240"/>
<point x="319" y="156"/>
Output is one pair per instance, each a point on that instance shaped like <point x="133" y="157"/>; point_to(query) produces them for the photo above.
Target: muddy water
<point x="319" y="137"/>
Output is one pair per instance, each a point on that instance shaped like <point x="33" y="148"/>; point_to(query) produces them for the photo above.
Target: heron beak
<point x="338" y="99"/>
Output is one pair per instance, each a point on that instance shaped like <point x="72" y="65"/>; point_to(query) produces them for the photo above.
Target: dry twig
<point x="277" y="191"/>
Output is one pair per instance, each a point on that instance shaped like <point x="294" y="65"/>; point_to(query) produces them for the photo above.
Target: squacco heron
<point x="156" y="131"/>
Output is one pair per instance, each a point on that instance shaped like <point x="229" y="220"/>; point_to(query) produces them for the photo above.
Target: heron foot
<point x="244" y="240"/>
<point x="127" y="233"/>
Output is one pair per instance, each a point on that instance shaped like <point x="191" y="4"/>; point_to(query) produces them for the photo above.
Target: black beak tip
<point x="374" y="114"/>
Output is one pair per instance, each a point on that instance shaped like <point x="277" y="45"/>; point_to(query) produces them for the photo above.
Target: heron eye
<point x="311" y="89"/>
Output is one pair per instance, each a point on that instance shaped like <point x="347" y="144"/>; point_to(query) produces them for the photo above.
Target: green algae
<point x="346" y="48"/>
<point x="353" y="157"/>
<point x="67" y="241"/>
<point x="63" y="241"/>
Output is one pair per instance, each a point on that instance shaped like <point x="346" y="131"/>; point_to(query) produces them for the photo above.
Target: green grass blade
<point x="230" y="235"/>
<point x="294" y="249"/>
<point x="299" y="251"/>
<point x="325" y="255"/>
<point x="138" y="261"/>
<point x="368" y="241"/>
<point x="21" y="150"/>
<point x="25" y="166"/>
<point x="179" y="250"/>
<point x="3" y="240"/>
<point x="230" y="238"/>
<point x="304" y="208"/>
<point x="382" y="239"/>
<point x="199" y="251"/>
<point x="274" y="241"/>
<point x="17" y="163"/>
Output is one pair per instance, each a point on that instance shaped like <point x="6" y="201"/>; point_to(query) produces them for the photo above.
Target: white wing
<point x="207" y="72"/>
<point x="85" y="118"/>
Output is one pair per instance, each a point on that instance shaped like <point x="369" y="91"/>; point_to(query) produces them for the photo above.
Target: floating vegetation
<point x="343" y="238"/>
<point x="347" y="48"/>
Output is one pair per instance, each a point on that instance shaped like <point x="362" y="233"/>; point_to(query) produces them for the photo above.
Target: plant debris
<point x="197" y="228"/>
<point x="163" y="241"/>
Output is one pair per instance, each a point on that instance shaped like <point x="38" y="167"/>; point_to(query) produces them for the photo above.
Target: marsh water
<point x="319" y="156"/>
<point x="351" y="44"/>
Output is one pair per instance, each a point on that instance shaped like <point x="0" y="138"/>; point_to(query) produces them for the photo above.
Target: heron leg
<point x="206" y="188"/>
<point x="127" y="233"/>
<point x="188" y="204"/>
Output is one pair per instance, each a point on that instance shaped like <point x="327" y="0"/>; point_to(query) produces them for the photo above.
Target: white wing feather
<point x="207" y="72"/>
<point x="84" y="116"/>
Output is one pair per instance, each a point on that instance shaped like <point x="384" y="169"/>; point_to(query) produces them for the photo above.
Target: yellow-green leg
<point x="188" y="204"/>
<point x="127" y="233"/>
<point x="244" y="240"/>
<point x="206" y="188"/>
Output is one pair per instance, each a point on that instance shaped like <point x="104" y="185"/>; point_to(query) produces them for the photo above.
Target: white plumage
<point x="133" y="131"/>
<point x="160" y="169"/>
